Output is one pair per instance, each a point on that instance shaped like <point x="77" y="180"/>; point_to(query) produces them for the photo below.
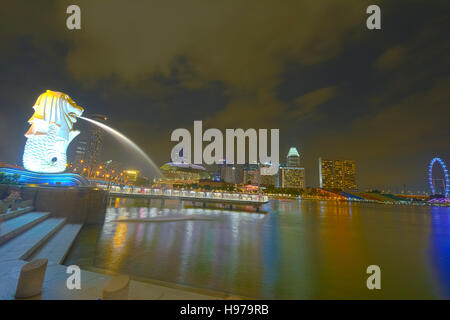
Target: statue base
<point x="48" y="179"/>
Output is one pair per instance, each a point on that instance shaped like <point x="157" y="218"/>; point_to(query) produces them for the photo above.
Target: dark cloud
<point x="392" y="58"/>
<point x="308" y="103"/>
<point x="310" y="68"/>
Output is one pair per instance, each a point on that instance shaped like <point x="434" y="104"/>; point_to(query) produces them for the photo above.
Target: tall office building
<point x="267" y="180"/>
<point x="87" y="153"/>
<point x="238" y="173"/>
<point x="340" y="174"/>
<point x="293" y="158"/>
<point x="251" y="174"/>
<point x="80" y="151"/>
<point x="292" y="175"/>
<point x="231" y="173"/>
<point x="94" y="145"/>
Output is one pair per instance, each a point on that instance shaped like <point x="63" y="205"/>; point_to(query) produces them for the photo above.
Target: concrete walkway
<point x="92" y="283"/>
<point x="37" y="235"/>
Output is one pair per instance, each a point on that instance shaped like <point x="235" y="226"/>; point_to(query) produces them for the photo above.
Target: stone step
<point x="15" y="226"/>
<point x="25" y="244"/>
<point x="57" y="247"/>
<point x="13" y="214"/>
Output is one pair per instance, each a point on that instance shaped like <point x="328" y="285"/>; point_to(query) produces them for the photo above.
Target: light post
<point x="108" y="174"/>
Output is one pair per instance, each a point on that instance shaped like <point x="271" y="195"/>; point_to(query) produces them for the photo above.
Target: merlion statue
<point x="51" y="132"/>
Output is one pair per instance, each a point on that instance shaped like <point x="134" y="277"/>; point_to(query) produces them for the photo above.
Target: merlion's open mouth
<point x="73" y="116"/>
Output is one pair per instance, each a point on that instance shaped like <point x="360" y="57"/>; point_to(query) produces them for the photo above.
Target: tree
<point x="9" y="179"/>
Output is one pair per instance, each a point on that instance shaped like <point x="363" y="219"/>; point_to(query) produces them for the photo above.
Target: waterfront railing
<point x="245" y="197"/>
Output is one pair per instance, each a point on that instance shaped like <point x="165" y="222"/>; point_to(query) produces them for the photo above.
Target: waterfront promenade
<point x="92" y="283"/>
<point x="203" y="197"/>
<point x="26" y="235"/>
<point x="295" y="250"/>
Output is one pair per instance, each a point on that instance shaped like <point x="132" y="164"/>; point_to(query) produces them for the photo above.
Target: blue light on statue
<point x="51" y="179"/>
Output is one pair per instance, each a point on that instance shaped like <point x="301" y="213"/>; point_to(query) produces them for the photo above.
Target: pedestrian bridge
<point x="227" y="198"/>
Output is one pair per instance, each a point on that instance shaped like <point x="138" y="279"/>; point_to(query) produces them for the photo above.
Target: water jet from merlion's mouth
<point x="123" y="138"/>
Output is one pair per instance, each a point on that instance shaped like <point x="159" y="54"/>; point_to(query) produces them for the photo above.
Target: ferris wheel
<point x="444" y="181"/>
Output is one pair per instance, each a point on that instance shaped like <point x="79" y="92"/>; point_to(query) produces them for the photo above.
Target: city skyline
<point x="224" y="152"/>
<point x="370" y="100"/>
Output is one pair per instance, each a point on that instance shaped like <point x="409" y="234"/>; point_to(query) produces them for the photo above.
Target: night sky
<point x="310" y="68"/>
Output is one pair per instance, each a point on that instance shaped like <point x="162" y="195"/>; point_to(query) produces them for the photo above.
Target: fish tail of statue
<point x="45" y="152"/>
<point x="50" y="133"/>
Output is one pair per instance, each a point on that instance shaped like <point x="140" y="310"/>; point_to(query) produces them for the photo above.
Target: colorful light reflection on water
<point x="298" y="250"/>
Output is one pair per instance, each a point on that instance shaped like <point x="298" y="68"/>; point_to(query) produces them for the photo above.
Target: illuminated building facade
<point x="80" y="152"/>
<point x="251" y="174"/>
<point x="94" y="146"/>
<point x="231" y="173"/>
<point x="269" y="180"/>
<point x="227" y="173"/>
<point x="293" y="158"/>
<point x="338" y="174"/>
<point x="87" y="153"/>
<point x="130" y="176"/>
<point x="246" y="174"/>
<point x="234" y="174"/>
<point x="293" y="177"/>
<point x="110" y="171"/>
<point x="184" y="171"/>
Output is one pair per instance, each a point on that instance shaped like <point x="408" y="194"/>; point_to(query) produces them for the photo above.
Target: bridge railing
<point x="192" y="194"/>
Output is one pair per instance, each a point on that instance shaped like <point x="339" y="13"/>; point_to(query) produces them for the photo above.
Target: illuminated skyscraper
<point x="251" y="174"/>
<point x="231" y="173"/>
<point x="80" y="151"/>
<point x="267" y="180"/>
<point x="293" y="158"/>
<point x="94" y="145"/>
<point x="87" y="154"/>
<point x="340" y="174"/>
<point x="292" y="175"/>
<point x="226" y="172"/>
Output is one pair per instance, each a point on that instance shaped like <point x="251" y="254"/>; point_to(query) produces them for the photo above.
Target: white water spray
<point x="123" y="138"/>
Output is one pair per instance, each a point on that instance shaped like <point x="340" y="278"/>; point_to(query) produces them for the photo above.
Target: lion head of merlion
<point x="51" y="132"/>
<point x="55" y="108"/>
